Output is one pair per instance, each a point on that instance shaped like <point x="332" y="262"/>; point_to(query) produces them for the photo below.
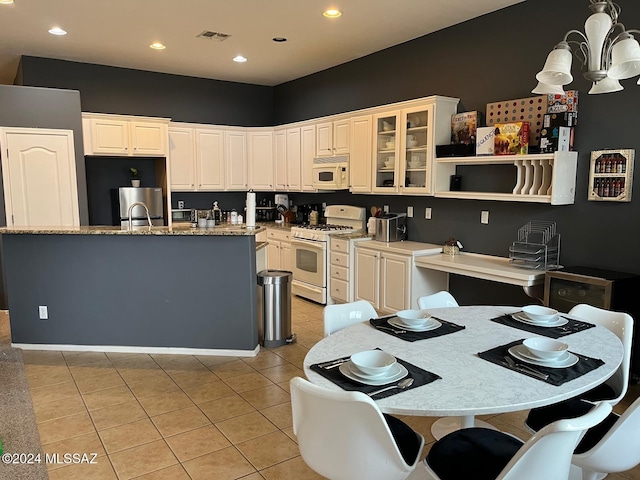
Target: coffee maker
<point x="283" y="200"/>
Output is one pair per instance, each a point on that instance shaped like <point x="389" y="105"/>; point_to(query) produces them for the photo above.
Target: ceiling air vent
<point x="220" y="37"/>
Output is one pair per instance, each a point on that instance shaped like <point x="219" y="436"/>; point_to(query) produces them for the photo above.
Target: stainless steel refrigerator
<point x="151" y="197"/>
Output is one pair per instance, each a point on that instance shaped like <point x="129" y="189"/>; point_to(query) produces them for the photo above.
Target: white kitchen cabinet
<point x="236" y="160"/>
<point x="121" y="135"/>
<point x="540" y="178"/>
<point x="39" y="177"/>
<point x="294" y="160"/>
<point x="342" y="268"/>
<point x="360" y="156"/>
<point x="279" y="249"/>
<point x="261" y="160"/>
<point x="280" y="159"/>
<point x="404" y="144"/>
<point x="332" y="138"/>
<point x="386" y="274"/>
<point x="307" y="153"/>
<point x="210" y="159"/>
<point x="182" y="158"/>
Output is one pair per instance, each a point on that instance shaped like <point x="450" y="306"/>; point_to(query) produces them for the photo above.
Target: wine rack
<point x="611" y="175"/>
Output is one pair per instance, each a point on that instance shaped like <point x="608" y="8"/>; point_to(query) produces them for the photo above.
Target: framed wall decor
<point x="611" y="175"/>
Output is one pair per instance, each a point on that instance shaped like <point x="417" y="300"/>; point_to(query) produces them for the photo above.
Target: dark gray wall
<point x="136" y="92"/>
<point x="140" y="290"/>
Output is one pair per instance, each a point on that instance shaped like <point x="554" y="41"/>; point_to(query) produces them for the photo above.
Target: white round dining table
<point x="469" y="385"/>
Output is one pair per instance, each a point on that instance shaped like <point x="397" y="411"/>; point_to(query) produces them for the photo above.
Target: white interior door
<point x="39" y="177"/>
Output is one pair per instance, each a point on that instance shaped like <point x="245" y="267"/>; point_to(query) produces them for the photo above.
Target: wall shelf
<point x="542" y="178"/>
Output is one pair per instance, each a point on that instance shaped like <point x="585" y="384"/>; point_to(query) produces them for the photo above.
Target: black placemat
<point x="557" y="376"/>
<point x="421" y="377"/>
<point x="445" y="329"/>
<point x="573" y="326"/>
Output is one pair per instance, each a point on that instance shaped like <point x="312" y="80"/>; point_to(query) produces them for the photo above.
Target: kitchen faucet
<point x="131" y="209"/>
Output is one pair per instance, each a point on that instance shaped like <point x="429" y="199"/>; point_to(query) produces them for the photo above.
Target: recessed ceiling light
<point x="57" y="31"/>
<point x="6" y="2"/>
<point x="239" y="59"/>
<point x="279" y="39"/>
<point x="332" y="13"/>
<point x="157" y="46"/>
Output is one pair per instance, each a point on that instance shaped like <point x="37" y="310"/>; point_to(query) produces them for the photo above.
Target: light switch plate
<point x="427" y="213"/>
<point x="410" y="212"/>
<point x="484" y="217"/>
<point x="43" y="312"/>
<point x="385" y="209"/>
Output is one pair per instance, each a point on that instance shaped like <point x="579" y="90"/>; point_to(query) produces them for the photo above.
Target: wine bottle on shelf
<point x="606" y="189"/>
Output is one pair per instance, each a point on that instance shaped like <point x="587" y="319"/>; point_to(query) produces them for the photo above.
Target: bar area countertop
<point x="149" y="289"/>
<point x="227" y="230"/>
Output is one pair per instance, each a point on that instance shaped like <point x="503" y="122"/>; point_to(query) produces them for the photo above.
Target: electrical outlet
<point x="484" y="217"/>
<point x="410" y="212"/>
<point x="43" y="312"/>
<point x="427" y="213"/>
<point x="386" y="209"/>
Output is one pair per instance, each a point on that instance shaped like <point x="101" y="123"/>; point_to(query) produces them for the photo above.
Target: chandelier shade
<point x="608" y="52"/>
<point x="557" y="68"/>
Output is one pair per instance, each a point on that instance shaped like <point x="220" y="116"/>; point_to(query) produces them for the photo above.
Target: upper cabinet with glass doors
<point x="404" y="145"/>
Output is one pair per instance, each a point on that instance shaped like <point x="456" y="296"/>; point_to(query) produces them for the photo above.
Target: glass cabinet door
<point x="415" y="162"/>
<point x="387" y="150"/>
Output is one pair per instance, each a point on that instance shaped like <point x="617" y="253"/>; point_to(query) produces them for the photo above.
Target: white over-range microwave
<point x="331" y="173"/>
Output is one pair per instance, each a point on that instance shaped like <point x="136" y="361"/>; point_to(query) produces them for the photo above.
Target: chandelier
<point x="607" y="50"/>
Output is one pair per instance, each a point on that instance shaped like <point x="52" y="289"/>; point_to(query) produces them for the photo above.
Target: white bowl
<point x="413" y="318"/>
<point x="386" y="126"/>
<point x="538" y="313"/>
<point x="388" y="163"/>
<point x="411" y="143"/>
<point x="373" y="362"/>
<point x="414" y="164"/>
<point x="545" y="348"/>
<point x="391" y="144"/>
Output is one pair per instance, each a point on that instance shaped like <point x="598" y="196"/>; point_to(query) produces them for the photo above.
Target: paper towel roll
<point x="251" y="209"/>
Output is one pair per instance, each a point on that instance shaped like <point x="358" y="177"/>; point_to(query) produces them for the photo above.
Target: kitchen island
<point x="148" y="289"/>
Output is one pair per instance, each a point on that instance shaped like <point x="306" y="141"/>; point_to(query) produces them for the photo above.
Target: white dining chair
<point x="337" y="317"/>
<point x="611" y="447"/>
<point x="343" y="435"/>
<point x="483" y="454"/>
<point x="614" y="389"/>
<point x="437" y="300"/>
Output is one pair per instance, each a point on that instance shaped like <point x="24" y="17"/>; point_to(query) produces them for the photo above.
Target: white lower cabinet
<point x="279" y="249"/>
<point x="342" y="269"/>
<point x="386" y="274"/>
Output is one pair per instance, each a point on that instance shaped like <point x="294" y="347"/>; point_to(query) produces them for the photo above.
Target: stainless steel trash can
<point x="274" y="308"/>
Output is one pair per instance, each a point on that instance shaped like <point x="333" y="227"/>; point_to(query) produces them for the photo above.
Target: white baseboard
<point x="132" y="349"/>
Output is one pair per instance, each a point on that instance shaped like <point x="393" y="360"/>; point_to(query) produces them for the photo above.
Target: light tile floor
<point x="188" y="417"/>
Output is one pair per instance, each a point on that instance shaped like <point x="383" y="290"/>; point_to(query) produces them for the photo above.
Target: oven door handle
<point x="322" y="246"/>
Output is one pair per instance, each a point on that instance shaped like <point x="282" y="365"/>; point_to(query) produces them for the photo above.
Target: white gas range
<point x="310" y="245"/>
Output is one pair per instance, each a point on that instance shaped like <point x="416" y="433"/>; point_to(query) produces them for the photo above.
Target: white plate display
<point x="521" y="317"/>
<point x="520" y="352"/>
<point x="397" y="372"/>
<point x="430" y="325"/>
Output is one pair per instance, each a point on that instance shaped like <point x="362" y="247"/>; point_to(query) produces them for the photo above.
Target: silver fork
<point x="525" y="368"/>
<point x="394" y="330"/>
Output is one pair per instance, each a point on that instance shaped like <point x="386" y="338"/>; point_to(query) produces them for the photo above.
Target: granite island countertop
<point x="180" y="230"/>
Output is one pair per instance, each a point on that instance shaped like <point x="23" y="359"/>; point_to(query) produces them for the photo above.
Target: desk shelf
<point x="542" y="178"/>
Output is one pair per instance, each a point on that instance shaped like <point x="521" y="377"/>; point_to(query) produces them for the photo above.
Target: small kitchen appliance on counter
<point x="391" y="227"/>
<point x="310" y="250"/>
<point x="281" y="200"/>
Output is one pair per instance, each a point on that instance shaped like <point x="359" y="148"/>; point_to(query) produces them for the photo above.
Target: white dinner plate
<point x="558" y="322"/>
<point x="520" y="352"/>
<point x="432" y="324"/>
<point x="397" y="372"/>
<point x="523" y="351"/>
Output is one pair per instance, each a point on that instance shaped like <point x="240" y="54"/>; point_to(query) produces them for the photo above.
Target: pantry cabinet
<point x="121" y="135"/>
<point x="333" y="138"/>
<point x="386" y="274"/>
